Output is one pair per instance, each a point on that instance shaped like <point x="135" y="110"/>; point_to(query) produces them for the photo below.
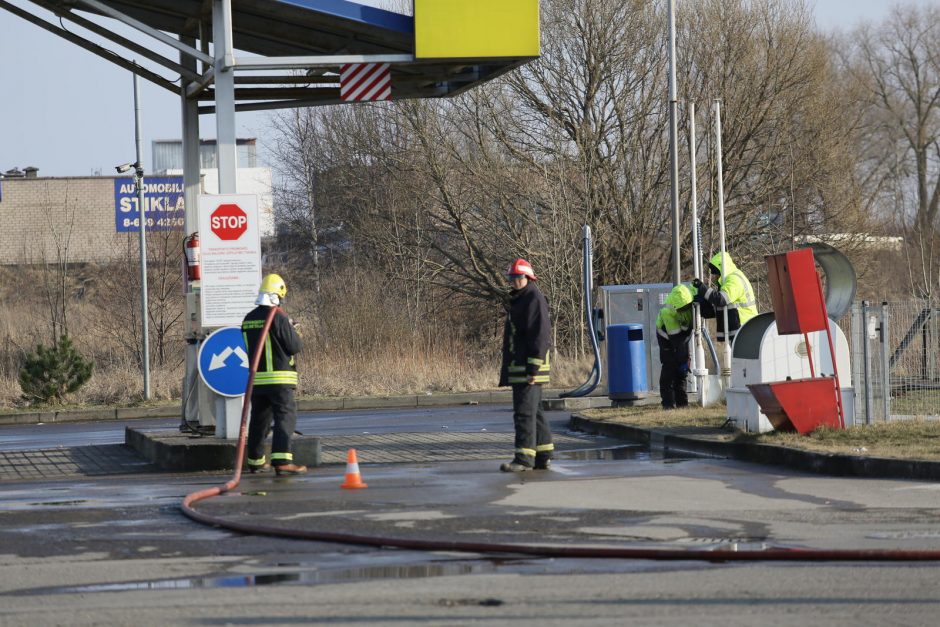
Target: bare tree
<point x="896" y="69"/>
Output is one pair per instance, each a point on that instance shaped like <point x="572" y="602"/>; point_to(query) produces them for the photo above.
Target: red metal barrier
<point x="799" y="405"/>
<point x="800" y="308"/>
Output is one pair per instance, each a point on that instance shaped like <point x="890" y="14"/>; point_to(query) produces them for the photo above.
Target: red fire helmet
<point x="523" y="267"/>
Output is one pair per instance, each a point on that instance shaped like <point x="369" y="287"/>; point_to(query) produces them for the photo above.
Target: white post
<point x="142" y="230"/>
<point x="194" y="390"/>
<point x="224" y="94"/>
<point x="699" y="371"/>
<point x="726" y="366"/>
<point x="226" y="410"/>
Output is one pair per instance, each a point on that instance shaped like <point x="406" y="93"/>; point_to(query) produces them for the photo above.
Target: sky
<point x="71" y="113"/>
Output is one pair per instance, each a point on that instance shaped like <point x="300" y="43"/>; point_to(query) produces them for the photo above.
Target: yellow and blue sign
<point x="476" y="29"/>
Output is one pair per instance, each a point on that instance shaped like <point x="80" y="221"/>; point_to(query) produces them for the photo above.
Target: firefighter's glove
<point x="684" y="368"/>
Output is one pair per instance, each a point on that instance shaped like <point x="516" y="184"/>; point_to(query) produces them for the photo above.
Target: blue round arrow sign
<point x="223" y="361"/>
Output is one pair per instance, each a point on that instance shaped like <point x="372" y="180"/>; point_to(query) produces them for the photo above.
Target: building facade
<point x="94" y="219"/>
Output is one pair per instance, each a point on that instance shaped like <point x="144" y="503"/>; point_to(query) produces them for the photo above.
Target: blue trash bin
<point x="626" y="362"/>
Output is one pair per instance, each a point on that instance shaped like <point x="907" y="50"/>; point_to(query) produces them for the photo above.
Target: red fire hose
<point x="232" y="483"/>
<point x="720" y="555"/>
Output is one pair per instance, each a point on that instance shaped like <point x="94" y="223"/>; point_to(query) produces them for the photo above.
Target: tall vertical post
<point x="726" y="366"/>
<point x="866" y="358"/>
<point x="142" y="230"/>
<point x="699" y="370"/>
<point x="224" y="94"/>
<point x="226" y="409"/>
<point x="885" y="363"/>
<point x="193" y="389"/>
<point x="674" y="145"/>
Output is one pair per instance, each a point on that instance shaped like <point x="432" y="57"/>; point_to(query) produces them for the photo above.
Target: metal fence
<point x="895" y="360"/>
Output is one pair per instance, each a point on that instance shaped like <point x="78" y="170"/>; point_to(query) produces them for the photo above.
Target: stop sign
<point x="229" y="222"/>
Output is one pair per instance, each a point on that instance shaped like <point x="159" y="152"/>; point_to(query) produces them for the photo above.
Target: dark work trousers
<point x="672" y="380"/>
<point x="271" y="402"/>
<point x="533" y="435"/>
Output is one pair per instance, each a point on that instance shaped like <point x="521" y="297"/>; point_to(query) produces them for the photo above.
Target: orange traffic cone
<point x="353" y="478"/>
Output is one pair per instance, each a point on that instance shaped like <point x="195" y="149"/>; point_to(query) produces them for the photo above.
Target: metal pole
<point x="141" y="212"/>
<point x="726" y="367"/>
<point x="866" y="357"/>
<point x="885" y="363"/>
<point x="224" y="94"/>
<point x="699" y="370"/>
<point x="194" y="391"/>
<point x="674" y="145"/>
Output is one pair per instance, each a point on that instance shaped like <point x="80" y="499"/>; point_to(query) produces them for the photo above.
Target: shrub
<point x="51" y="373"/>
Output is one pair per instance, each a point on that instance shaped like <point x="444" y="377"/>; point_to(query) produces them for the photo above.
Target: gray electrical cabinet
<point x="633" y="304"/>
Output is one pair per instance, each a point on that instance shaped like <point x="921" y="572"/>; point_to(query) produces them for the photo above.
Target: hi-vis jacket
<point x="734" y="292"/>
<point x="276" y="366"/>
<point x="673" y="323"/>
<point x="526" y="338"/>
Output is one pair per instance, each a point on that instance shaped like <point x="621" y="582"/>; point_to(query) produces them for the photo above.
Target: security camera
<point x="123" y="167"/>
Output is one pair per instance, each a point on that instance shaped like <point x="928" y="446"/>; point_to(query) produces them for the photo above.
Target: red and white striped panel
<point x="365" y="81"/>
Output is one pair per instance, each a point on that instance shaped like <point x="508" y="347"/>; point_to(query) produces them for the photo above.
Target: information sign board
<point x="231" y="257"/>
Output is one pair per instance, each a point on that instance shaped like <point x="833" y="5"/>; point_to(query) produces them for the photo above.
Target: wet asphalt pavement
<point x="115" y="549"/>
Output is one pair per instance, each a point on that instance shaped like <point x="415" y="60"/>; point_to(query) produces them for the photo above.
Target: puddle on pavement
<point x="637" y="452"/>
<point x="616" y="453"/>
<point x="61" y="503"/>
<point x="310" y="575"/>
<point x="363" y="573"/>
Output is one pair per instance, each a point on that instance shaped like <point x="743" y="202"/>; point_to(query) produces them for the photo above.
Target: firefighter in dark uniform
<point x="272" y="396"/>
<point x="526" y="367"/>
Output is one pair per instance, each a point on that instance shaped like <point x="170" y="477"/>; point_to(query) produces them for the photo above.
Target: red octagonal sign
<point x="228" y="221"/>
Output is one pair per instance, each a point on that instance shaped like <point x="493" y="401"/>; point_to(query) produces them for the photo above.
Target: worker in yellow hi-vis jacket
<point x="673" y="328"/>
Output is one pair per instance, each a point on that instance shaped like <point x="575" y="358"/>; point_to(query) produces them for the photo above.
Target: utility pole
<point x="139" y="181"/>
<point x="674" y="145"/>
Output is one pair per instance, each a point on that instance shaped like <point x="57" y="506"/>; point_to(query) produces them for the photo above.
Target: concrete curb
<point x="820" y="463"/>
<point x="172" y="451"/>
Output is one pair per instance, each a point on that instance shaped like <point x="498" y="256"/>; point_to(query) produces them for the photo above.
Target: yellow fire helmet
<point x="272" y="290"/>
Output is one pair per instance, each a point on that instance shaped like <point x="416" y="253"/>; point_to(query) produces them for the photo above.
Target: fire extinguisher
<point x="191" y="248"/>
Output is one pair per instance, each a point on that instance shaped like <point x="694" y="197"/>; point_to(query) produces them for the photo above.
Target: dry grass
<point x="328" y="375"/>
<point x="908" y="439"/>
<point x="654" y="416"/>
<point x="360" y="340"/>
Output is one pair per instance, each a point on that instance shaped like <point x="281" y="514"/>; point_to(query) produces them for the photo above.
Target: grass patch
<point x="905" y="439"/>
<point x="902" y="439"/>
<point x="654" y="416"/>
<point x="916" y="403"/>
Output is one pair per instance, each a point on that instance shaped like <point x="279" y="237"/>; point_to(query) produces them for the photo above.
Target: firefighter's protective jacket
<point x="734" y="292"/>
<point x="526" y="338"/>
<point x="276" y="366"/>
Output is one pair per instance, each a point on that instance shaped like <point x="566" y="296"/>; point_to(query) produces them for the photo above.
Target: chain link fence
<point x="895" y="360"/>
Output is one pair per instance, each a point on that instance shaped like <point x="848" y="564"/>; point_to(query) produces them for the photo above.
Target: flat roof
<point x="295" y="28"/>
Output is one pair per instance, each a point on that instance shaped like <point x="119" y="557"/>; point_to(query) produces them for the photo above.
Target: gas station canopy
<point x="289" y="52"/>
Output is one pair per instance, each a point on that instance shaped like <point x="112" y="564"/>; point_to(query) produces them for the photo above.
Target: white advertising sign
<point x="231" y="257"/>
